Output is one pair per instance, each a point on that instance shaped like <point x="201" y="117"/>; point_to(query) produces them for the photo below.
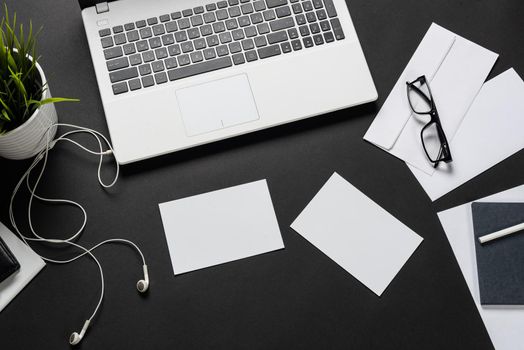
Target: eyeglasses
<point x="432" y="135"/>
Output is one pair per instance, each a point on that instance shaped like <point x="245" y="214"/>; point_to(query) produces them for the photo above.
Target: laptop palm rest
<point x="217" y="105"/>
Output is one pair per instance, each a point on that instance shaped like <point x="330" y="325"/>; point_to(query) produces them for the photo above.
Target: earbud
<point x="143" y="285"/>
<point x="75" y="338"/>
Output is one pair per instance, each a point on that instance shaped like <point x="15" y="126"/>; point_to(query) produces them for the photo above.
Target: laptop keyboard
<point x="203" y="39"/>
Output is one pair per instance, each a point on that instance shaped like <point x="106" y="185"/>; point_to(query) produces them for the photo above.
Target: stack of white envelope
<point x="481" y="121"/>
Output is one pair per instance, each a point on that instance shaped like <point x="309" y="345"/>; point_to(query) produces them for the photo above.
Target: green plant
<point x="21" y="89"/>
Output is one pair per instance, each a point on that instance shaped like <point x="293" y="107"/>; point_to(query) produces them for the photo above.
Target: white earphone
<point x="143" y="284"/>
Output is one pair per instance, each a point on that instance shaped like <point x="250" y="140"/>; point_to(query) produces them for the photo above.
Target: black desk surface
<point x="291" y="299"/>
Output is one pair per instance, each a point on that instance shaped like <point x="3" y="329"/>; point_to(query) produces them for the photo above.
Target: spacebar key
<point x="200" y="68"/>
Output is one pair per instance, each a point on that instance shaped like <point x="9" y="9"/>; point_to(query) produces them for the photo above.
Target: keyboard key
<point x="292" y="33"/>
<point x="222" y="50"/>
<point x="251" y="56"/>
<point x="263" y="28"/>
<point x="140" y="24"/>
<point x="259" y="5"/>
<point x="148" y="81"/>
<point x="304" y="30"/>
<point x="209" y="17"/>
<point x="198" y="9"/>
<point x="155" y="42"/>
<point x="193" y="33"/>
<point x="187" y="13"/>
<point x="275" y="3"/>
<point x="104" y="32"/>
<point x="198" y="68"/>
<point x="297" y="8"/>
<point x="148" y="56"/>
<point x="277" y="37"/>
<point x="238" y="34"/>
<point x="248" y="44"/>
<point x="157" y="66"/>
<point x="146" y="33"/>
<point x="219" y="27"/>
<point x="176" y="15"/>
<point x="180" y="36"/>
<point x="211" y="7"/>
<point x="318" y="40"/>
<point x="170" y="63"/>
<point x="117" y="63"/>
<point x="183" y="60"/>
<point x="250" y="31"/>
<point x="197" y="20"/>
<point x="283" y="11"/>
<point x="120" y="88"/>
<point x="142" y="46"/>
<point x="145" y="69"/>
<point x="222" y="4"/>
<point x="310" y="16"/>
<point x="286" y="47"/>
<point x="330" y="8"/>
<point x="337" y="28"/>
<point x="221" y="15"/>
<point x="270" y="51"/>
<point x="233" y="2"/>
<point x="247" y="9"/>
<point x="113" y="52"/>
<point x="234" y="11"/>
<point x="133" y="36"/>
<point x="231" y="24"/>
<point x="244" y="21"/>
<point x="260" y="41"/>
<point x="321" y="14"/>
<point x="187" y="46"/>
<point x="317" y="4"/>
<point x="209" y="53"/>
<point x="307" y="5"/>
<point x="171" y="27"/>
<point x="135" y="84"/>
<point x="161" y="53"/>
<point x="161" y="78"/>
<point x="174" y="50"/>
<point x="123" y="74"/>
<point x="168" y="39"/>
<point x="235" y="47"/>
<point x="225" y="38"/>
<point x="238" y="59"/>
<point x="135" y="59"/>
<point x="196" y="56"/>
<point x="301" y="19"/>
<point x="206" y="30"/>
<point x="212" y="40"/>
<point x="129" y="49"/>
<point x="296" y="45"/>
<point x="269" y="15"/>
<point x="308" y="42"/>
<point x="152" y="21"/>
<point x="118" y="29"/>
<point x="256" y="18"/>
<point x="328" y="37"/>
<point x="164" y="18"/>
<point x="324" y="25"/>
<point x="106" y="42"/>
<point x="199" y="44"/>
<point x="184" y="23"/>
<point x="159" y="29"/>
<point x="283" y="23"/>
<point x="314" y="28"/>
<point x="120" y="39"/>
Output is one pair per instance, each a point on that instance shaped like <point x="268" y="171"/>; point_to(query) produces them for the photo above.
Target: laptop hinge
<point x="102" y="7"/>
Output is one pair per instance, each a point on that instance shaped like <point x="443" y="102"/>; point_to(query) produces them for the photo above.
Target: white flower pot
<point x="30" y="138"/>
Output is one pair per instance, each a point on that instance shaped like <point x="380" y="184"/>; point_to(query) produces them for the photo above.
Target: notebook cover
<point x="500" y="263"/>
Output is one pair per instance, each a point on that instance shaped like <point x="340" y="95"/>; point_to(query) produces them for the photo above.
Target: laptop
<point x="177" y="74"/>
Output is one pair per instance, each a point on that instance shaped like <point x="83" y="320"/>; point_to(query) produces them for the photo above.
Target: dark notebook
<point x="8" y="262"/>
<point x="500" y="263"/>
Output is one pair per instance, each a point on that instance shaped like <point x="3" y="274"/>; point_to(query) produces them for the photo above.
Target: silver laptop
<point x="177" y="74"/>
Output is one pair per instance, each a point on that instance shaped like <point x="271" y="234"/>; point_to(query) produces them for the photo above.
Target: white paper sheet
<point x="456" y="68"/>
<point x="504" y="324"/>
<point x="30" y="265"/>
<point x="356" y="233"/>
<point x="492" y="130"/>
<point x="220" y="226"/>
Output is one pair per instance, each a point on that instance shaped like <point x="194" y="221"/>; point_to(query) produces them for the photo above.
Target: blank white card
<point x="220" y="226"/>
<point x="356" y="233"/>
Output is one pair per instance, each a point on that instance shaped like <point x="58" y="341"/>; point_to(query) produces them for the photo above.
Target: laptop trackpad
<point x="216" y="105"/>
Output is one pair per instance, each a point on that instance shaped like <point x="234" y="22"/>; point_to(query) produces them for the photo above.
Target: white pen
<point x="501" y="233"/>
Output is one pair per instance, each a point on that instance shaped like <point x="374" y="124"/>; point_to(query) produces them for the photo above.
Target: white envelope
<point x="455" y="68"/>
